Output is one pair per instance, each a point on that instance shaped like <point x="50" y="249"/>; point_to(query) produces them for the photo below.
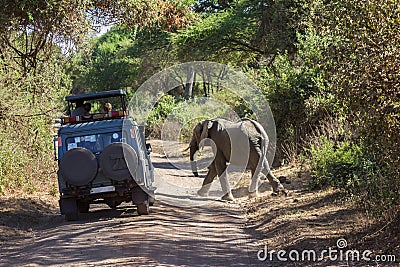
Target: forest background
<point x="329" y="69"/>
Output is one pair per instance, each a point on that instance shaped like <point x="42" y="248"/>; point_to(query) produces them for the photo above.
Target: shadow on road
<point x="170" y="236"/>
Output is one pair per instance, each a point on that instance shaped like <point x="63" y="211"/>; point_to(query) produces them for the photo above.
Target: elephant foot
<point x="253" y="194"/>
<point x="203" y="192"/>
<point x="284" y="180"/>
<point x="228" y="197"/>
<point x="280" y="191"/>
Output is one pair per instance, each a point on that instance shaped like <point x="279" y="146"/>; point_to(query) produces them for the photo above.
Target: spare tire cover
<point x="78" y="166"/>
<point x="117" y="160"/>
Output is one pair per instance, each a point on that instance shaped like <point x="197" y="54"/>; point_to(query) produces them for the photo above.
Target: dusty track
<point x="32" y="233"/>
<point x="209" y="235"/>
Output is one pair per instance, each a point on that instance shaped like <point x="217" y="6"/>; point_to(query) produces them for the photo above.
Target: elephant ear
<point x="207" y="124"/>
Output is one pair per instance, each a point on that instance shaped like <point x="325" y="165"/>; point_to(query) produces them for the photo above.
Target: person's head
<point x="79" y="103"/>
<point x="107" y="107"/>
<point x="87" y="107"/>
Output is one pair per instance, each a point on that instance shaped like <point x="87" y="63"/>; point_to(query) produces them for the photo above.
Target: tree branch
<point x="248" y="46"/>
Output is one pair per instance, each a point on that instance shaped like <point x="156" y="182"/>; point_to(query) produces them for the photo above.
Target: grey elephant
<point x="241" y="143"/>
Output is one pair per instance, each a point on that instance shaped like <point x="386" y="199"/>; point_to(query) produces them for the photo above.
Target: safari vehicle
<point x="102" y="156"/>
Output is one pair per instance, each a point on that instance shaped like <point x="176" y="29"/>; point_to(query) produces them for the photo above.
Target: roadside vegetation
<point x="330" y="72"/>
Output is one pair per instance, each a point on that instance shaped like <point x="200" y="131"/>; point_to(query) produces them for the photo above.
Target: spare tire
<point x="78" y="166"/>
<point x="117" y="160"/>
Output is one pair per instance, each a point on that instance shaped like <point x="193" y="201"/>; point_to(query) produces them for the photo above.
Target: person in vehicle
<point x="79" y="109"/>
<point x="107" y="107"/>
<point x="87" y="107"/>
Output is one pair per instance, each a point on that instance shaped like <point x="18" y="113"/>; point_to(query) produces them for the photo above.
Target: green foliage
<point x="155" y="120"/>
<point x="243" y="32"/>
<point x="30" y="102"/>
<point x="337" y="165"/>
<point x="122" y="58"/>
<point x="107" y="63"/>
<point x="362" y="65"/>
<point x="298" y="92"/>
<point x="234" y="102"/>
<point x="189" y="113"/>
<point x="186" y="114"/>
<point x="351" y="168"/>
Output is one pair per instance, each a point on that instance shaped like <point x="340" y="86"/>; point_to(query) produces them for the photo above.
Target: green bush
<point x="30" y="102"/>
<point x="186" y="114"/>
<point x="156" y="118"/>
<point x="350" y="167"/>
<point x="341" y="165"/>
<point x="234" y="102"/>
<point x="298" y="93"/>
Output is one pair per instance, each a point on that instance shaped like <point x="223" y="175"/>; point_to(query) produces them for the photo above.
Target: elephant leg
<point x="220" y="164"/>
<point x="275" y="183"/>
<point x="205" y="188"/>
<point x="253" y="187"/>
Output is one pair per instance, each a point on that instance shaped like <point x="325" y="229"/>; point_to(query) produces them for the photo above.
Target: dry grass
<point x="316" y="220"/>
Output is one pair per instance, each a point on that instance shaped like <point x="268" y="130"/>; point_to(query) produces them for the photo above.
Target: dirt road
<point x="209" y="235"/>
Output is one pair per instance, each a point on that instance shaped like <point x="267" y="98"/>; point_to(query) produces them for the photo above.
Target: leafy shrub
<point x="186" y="114"/>
<point x="234" y="102"/>
<point x="362" y="65"/>
<point x="298" y="93"/>
<point x="349" y="167"/>
<point x="336" y="165"/>
<point x="156" y="118"/>
<point x="29" y="102"/>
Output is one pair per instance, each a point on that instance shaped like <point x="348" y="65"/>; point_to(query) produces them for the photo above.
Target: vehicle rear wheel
<point x="143" y="208"/>
<point x="71" y="216"/>
<point x="69" y="207"/>
<point x="83" y="207"/>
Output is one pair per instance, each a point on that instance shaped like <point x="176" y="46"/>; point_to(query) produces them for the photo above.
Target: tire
<point x="143" y="208"/>
<point x="118" y="160"/>
<point x="71" y="216"/>
<point x="78" y="166"/>
<point x="69" y="207"/>
<point x="83" y="207"/>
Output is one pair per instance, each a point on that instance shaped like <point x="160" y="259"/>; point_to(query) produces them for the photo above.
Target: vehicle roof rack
<point x="97" y="95"/>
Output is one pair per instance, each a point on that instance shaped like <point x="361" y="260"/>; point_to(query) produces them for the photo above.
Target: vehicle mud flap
<point x="141" y="199"/>
<point x="152" y="198"/>
<point x="69" y="208"/>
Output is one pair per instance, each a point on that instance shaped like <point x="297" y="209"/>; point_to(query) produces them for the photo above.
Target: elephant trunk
<point x="193" y="164"/>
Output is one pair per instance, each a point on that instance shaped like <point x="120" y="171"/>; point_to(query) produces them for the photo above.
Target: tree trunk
<point x="189" y="83"/>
